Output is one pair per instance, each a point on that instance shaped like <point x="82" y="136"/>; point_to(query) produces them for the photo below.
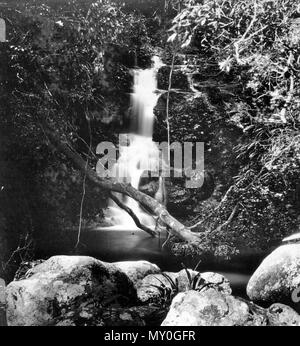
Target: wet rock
<point x="209" y="308"/>
<point x="282" y="315"/>
<point x="62" y="282"/>
<point x="137" y="270"/>
<point x="277" y="278"/>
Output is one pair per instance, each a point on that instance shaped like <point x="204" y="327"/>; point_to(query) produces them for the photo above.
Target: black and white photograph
<point x="149" y="166"/>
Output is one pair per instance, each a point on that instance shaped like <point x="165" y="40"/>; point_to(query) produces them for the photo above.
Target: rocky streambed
<point x="82" y="290"/>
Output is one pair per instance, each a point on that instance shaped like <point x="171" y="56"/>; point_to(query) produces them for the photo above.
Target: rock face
<point x="193" y="117"/>
<point x="277" y="278"/>
<point x="55" y="286"/>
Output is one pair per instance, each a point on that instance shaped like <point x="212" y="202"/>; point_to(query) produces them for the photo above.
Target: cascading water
<point x="141" y="154"/>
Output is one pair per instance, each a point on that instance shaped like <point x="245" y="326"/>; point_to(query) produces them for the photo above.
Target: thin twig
<point x="84" y="185"/>
<point x="81" y="206"/>
<point x="18" y="250"/>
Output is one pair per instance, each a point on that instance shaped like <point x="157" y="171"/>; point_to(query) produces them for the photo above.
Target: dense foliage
<point x="256" y="47"/>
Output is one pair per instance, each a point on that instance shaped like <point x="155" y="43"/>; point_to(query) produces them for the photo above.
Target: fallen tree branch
<point x="28" y="242"/>
<point x="132" y="214"/>
<point x="111" y="184"/>
<point x="215" y="209"/>
<point x="227" y="222"/>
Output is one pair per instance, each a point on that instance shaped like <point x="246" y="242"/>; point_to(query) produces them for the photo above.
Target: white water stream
<point x="141" y="154"/>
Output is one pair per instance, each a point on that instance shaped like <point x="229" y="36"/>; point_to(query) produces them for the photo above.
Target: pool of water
<point x="113" y="245"/>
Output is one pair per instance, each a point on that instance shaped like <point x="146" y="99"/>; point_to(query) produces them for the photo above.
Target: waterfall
<point x="141" y="154"/>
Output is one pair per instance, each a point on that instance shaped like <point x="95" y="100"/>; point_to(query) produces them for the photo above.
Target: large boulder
<point x="137" y="270"/>
<point x="277" y="278"/>
<point x="52" y="289"/>
<point x="209" y="308"/>
<point x="213" y="308"/>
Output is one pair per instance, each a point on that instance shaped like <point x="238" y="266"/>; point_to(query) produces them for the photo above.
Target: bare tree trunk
<point x="175" y="227"/>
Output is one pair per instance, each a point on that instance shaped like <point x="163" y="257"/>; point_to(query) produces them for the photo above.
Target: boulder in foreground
<point x="277" y="278"/>
<point x="58" y="285"/>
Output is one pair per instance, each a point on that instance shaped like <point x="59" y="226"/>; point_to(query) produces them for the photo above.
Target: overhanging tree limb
<point x="175" y="227"/>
